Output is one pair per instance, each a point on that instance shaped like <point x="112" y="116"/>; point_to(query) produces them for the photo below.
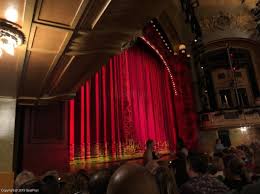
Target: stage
<point x="94" y="164"/>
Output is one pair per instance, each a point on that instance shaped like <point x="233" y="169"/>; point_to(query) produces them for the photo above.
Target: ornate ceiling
<point x="66" y="41"/>
<point x="221" y="19"/>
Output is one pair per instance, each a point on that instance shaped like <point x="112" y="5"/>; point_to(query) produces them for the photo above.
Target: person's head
<point x="257" y="161"/>
<point x="218" y="163"/>
<point x="180" y="143"/>
<point x="50" y="184"/>
<point x="181" y="175"/>
<point x="23" y="177"/>
<point x="75" y="183"/>
<point x="149" y="144"/>
<point x="99" y="181"/>
<point x="197" y="165"/>
<point x="34" y="186"/>
<point x="132" y="179"/>
<point x="165" y="180"/>
<point x="236" y="170"/>
<point x="218" y="141"/>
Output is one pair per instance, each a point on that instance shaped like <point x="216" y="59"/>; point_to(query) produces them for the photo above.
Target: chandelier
<point x="10" y="36"/>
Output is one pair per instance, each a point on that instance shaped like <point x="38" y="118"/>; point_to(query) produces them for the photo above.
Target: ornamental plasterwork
<point x="225" y="21"/>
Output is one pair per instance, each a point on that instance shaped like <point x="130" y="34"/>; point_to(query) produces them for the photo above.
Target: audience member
<point x="216" y="168"/>
<point x="132" y="179"/>
<point x="76" y="183"/>
<point x="219" y="147"/>
<point x="51" y="184"/>
<point x="236" y="175"/>
<point x="200" y="182"/>
<point x="149" y="154"/>
<point x="181" y="175"/>
<point x="34" y="186"/>
<point x="181" y="147"/>
<point x="99" y="181"/>
<point x="197" y="174"/>
<point x="165" y="180"/>
<point x="23" y="177"/>
<point x="256" y="172"/>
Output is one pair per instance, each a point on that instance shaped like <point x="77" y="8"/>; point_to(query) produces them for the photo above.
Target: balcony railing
<point x="230" y="118"/>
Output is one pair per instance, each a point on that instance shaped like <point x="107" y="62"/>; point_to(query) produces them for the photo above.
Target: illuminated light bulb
<point x="188" y="55"/>
<point x="8" y="48"/>
<point x="195" y="40"/>
<point x="163" y="40"/>
<point x="157" y="30"/>
<point x="7" y="44"/>
<point x="243" y="129"/>
<point x="151" y="21"/>
<point x="11" y="14"/>
<point x="154" y="26"/>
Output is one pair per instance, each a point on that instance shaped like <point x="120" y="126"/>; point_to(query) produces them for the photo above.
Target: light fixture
<point x="11" y="14"/>
<point x="10" y="37"/>
<point x="243" y="129"/>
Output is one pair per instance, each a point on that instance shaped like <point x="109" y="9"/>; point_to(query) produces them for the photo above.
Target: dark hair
<point x="180" y="143"/>
<point x="51" y="185"/>
<point x="149" y="142"/>
<point x="165" y="180"/>
<point x="75" y="183"/>
<point x="236" y="166"/>
<point x="198" y="163"/>
<point x="212" y="169"/>
<point x="98" y="182"/>
<point x="181" y="175"/>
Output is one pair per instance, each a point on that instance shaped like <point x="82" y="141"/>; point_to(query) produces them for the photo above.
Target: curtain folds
<point x="127" y="102"/>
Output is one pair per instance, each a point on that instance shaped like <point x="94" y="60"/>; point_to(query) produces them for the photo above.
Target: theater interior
<point x="86" y="84"/>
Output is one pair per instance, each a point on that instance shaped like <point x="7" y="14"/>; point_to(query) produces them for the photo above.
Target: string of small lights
<point x="164" y="62"/>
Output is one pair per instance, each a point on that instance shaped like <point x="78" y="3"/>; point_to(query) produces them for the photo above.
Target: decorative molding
<point x="224" y="21"/>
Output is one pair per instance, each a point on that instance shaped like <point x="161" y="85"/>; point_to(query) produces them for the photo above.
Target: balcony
<point x="230" y="118"/>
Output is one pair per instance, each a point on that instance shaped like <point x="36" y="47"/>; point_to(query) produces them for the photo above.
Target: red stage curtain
<point x="186" y="115"/>
<point x="128" y="101"/>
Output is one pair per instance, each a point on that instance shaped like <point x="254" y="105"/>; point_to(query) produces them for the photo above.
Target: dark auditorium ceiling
<point x="67" y="40"/>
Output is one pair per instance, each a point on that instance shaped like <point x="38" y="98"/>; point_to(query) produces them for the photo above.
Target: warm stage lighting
<point x="11" y="14"/>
